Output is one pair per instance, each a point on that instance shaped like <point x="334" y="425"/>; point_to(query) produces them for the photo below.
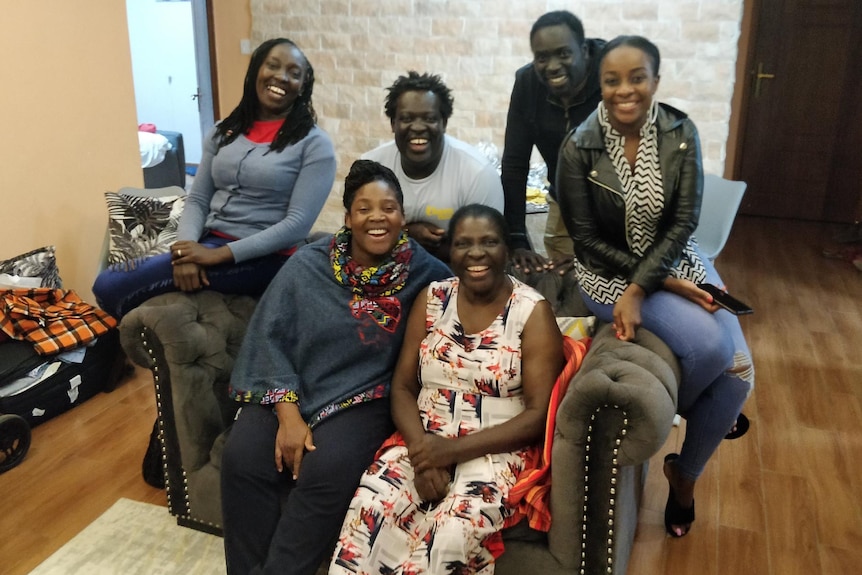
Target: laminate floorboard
<point x="784" y="498"/>
<point x="78" y="465"/>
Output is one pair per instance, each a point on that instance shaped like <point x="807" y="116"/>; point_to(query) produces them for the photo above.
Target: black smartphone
<point x="726" y="300"/>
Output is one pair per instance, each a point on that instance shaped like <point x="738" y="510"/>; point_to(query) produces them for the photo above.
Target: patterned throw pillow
<point x="141" y="227"/>
<point x="40" y="263"/>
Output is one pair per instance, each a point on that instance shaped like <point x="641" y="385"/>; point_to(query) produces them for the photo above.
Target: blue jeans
<point x="118" y="290"/>
<point x="717" y="371"/>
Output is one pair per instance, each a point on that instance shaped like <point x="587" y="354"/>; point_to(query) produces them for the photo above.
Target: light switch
<point x="245" y="46"/>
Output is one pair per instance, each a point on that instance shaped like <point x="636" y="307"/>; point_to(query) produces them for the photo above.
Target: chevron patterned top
<point x="644" y="202"/>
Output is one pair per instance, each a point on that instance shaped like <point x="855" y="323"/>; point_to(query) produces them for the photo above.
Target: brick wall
<point x="359" y="47"/>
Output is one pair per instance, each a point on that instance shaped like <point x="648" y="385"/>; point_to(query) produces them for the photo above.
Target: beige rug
<point x="134" y="538"/>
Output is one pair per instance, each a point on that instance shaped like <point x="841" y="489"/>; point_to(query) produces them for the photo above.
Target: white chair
<point x="721" y="199"/>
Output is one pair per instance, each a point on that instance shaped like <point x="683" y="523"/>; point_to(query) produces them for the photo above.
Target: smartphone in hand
<point x="726" y="300"/>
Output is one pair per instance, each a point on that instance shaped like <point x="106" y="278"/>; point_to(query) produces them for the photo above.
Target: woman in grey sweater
<point x="264" y="176"/>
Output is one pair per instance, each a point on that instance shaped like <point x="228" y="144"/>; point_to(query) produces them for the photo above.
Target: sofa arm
<point x="617" y="412"/>
<point x="638" y="377"/>
<point x="190" y="342"/>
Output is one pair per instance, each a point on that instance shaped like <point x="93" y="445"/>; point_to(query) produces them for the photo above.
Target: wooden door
<point x="801" y="150"/>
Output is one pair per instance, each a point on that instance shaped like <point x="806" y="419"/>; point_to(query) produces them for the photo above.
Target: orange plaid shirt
<point x="52" y="320"/>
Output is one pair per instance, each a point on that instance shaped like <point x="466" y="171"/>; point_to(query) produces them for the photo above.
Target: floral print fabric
<point x="469" y="382"/>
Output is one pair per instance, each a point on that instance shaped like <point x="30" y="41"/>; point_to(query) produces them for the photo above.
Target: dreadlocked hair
<point x="299" y="121"/>
<point x="415" y="82"/>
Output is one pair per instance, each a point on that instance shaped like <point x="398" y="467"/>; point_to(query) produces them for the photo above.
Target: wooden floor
<point x="784" y="499"/>
<point x="79" y="464"/>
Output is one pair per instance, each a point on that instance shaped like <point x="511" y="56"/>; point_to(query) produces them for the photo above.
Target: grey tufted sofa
<point x="616" y="414"/>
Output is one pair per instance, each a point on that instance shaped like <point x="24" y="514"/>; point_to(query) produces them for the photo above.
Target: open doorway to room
<point x="174" y="88"/>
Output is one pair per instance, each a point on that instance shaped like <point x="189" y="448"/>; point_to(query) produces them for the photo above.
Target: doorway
<point x="802" y="123"/>
<point x="170" y="47"/>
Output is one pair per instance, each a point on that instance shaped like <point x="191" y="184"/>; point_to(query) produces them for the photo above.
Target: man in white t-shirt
<point x="438" y="173"/>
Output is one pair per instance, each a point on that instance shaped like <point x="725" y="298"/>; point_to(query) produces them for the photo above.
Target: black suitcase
<point x="71" y="384"/>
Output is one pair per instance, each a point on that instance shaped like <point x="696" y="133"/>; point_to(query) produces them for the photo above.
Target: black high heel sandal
<point x="740" y="429"/>
<point x="674" y="514"/>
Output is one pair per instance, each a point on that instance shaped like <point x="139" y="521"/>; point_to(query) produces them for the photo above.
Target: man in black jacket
<point x="552" y="95"/>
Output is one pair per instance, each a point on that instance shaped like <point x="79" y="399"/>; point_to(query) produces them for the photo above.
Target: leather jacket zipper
<point x="605" y="186"/>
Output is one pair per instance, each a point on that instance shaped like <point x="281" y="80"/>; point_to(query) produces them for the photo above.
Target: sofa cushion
<point x="633" y="377"/>
<point x="201" y="334"/>
<point x="561" y="291"/>
<point x="140" y="227"/>
<point x="203" y="328"/>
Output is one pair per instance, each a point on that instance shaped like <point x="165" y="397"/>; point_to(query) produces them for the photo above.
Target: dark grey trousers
<point x="273" y="524"/>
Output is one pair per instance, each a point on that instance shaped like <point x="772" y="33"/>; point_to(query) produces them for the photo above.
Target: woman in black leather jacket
<point x="630" y="182"/>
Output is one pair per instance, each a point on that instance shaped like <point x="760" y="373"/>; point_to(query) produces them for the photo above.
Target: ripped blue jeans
<point x="717" y="370"/>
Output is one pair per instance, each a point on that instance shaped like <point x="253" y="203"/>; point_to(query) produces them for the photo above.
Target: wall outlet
<point x="245" y="46"/>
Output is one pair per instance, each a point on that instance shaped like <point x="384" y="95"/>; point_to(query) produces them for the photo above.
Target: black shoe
<point x="674" y="514"/>
<point x="740" y="429"/>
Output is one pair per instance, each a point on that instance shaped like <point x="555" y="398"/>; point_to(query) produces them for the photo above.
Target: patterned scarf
<point x="373" y="287"/>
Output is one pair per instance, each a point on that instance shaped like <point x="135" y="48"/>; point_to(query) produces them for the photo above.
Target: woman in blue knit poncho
<point x="314" y="374"/>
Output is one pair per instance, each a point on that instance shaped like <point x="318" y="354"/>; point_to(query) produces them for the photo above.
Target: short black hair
<point x="556" y="18"/>
<point x="639" y="42"/>
<point x="364" y="172"/>
<point x="480" y="211"/>
<point x="415" y="82"/>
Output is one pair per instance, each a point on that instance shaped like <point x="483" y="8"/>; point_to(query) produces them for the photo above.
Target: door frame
<point x="741" y="89"/>
<point x="207" y="73"/>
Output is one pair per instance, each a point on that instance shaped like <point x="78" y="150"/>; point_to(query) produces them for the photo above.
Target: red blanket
<point x="530" y="493"/>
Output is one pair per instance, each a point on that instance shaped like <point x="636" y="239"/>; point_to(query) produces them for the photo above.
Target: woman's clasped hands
<point x="431" y="463"/>
<point x="190" y="261"/>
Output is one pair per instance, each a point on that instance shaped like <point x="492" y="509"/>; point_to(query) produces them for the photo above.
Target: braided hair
<point x="364" y="172"/>
<point x="299" y="121"/>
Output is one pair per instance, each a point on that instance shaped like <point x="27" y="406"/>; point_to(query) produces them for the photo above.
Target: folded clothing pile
<point x="69" y="352"/>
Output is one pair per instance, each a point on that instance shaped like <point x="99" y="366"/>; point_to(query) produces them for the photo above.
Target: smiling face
<point x="628" y="84"/>
<point x="419" y="129"/>
<point x="478" y="255"/>
<point x="280" y="80"/>
<point x="376" y="219"/>
<point x="560" y="62"/>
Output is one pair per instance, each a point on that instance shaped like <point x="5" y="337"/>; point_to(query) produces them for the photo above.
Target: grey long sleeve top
<point x="269" y="200"/>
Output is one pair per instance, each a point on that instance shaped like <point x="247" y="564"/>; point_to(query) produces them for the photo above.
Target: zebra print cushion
<point x="39" y="263"/>
<point x="141" y="227"/>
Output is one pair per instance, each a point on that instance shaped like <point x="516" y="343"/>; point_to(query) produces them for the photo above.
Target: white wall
<point x="161" y="38"/>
